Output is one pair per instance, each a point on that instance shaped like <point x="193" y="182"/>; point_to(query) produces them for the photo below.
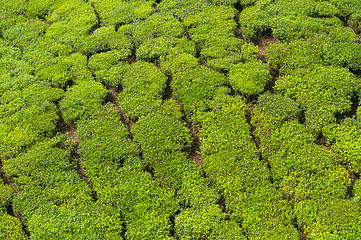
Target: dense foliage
<point x="169" y="119"/>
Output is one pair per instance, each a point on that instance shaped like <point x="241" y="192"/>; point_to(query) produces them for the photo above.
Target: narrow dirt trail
<point x="112" y="97"/>
<point x="269" y="87"/>
<point x="74" y="157"/>
<point x="256" y="141"/>
<point x="168" y="92"/>
<point x="195" y="151"/>
<point x="353" y="176"/>
<point x="355" y="102"/>
<point x="99" y="23"/>
<point x="265" y="40"/>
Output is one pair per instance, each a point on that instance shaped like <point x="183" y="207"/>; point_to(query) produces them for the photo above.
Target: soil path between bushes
<point x="74" y="157"/>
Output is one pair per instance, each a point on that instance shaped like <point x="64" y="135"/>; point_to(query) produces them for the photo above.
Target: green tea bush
<point x="146" y="206"/>
<point x="41" y="9"/>
<point x="25" y="33"/>
<point x="158" y="48"/>
<point x="6" y="194"/>
<point x="44" y="177"/>
<point x="278" y="105"/>
<point x="63" y="71"/>
<point x="107" y="68"/>
<point x="268" y="216"/>
<point x="196" y="87"/>
<point x="249" y="78"/>
<point x="173" y="63"/>
<point x="49" y="168"/>
<point x="82" y="100"/>
<point x="74" y="220"/>
<point x="332" y="219"/>
<point x="181" y="9"/>
<point x="307" y="158"/>
<point x="212" y="29"/>
<point x="356" y="192"/>
<point x="167" y="134"/>
<point x="71" y="22"/>
<point x="103" y="137"/>
<point x="157" y="25"/>
<point x="163" y="150"/>
<point x="326" y="90"/>
<point x="341" y="48"/>
<point x="226" y="2"/>
<point x="10" y="227"/>
<point x="161" y="34"/>
<point x="345" y="140"/>
<point x="246" y="53"/>
<point x="113" y="12"/>
<point x="288" y="28"/>
<point x="288" y="20"/>
<point x="163" y="147"/>
<point x="143" y="85"/>
<point x="206" y="223"/>
<point x="338" y="47"/>
<point x="307" y="174"/>
<point x="106" y="38"/>
<point x="13" y="7"/>
<point x="111" y="161"/>
<point x="350" y="9"/>
<point x="295" y="56"/>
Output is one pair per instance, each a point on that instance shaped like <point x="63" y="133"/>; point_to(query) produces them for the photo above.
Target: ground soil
<point x="265" y="39"/>
<point x="195" y="151"/>
<point x="112" y="97"/>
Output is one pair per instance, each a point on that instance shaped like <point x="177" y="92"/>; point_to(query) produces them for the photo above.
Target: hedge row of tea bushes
<point x="28" y="111"/>
<point x="345" y="138"/>
<point x="28" y="114"/>
<point x="312" y="32"/>
<point x="52" y="201"/>
<point x="317" y="89"/>
<point x="231" y="159"/>
<point x="323" y="91"/>
<point x="211" y="27"/>
<point x="162" y="136"/>
<point x="164" y="140"/>
<point x="113" y="163"/>
<point x="309" y="175"/>
<point x="143" y="85"/>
